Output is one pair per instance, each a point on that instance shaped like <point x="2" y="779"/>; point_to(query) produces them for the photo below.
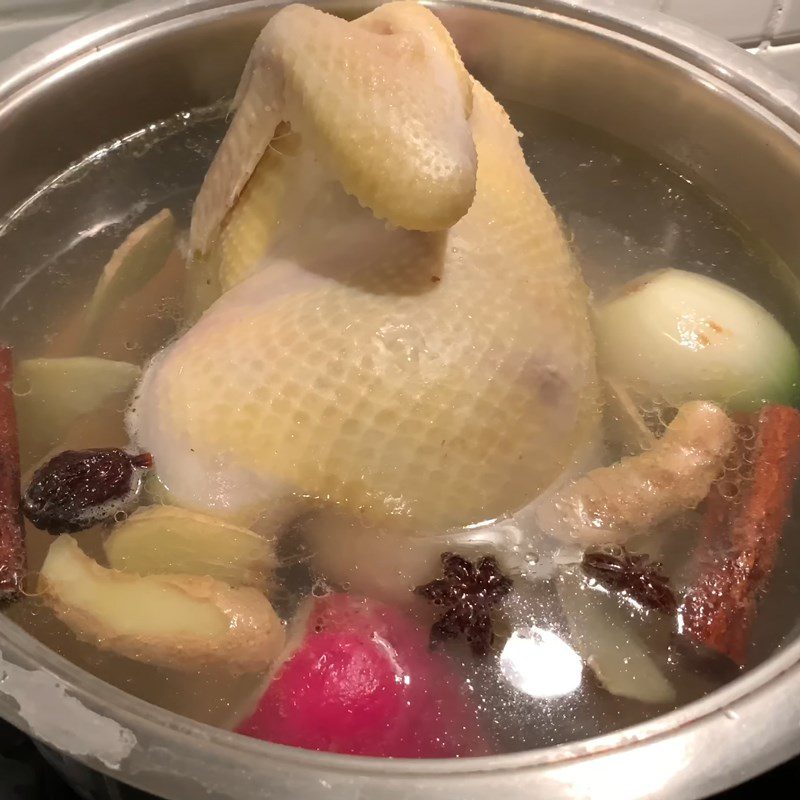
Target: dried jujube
<point x="79" y="488"/>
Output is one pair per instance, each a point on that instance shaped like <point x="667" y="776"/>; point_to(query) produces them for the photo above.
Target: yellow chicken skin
<point x="403" y="331"/>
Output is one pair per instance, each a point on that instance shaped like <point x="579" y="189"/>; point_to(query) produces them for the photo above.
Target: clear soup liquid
<point x="626" y="215"/>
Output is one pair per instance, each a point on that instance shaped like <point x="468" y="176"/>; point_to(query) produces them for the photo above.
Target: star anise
<point x="467" y="593"/>
<point x="631" y="574"/>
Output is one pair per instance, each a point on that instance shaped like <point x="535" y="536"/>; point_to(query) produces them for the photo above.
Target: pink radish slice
<point x="362" y="681"/>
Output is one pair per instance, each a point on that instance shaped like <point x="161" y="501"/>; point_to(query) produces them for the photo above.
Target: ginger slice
<point x="602" y="634"/>
<point x="138" y="259"/>
<point x="52" y="394"/>
<point x="177" y="621"/>
<point x="168" y="539"/>
<point x="612" y="504"/>
<point x="137" y="301"/>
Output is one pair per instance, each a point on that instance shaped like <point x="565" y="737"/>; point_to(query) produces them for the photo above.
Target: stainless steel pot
<point x="694" y="101"/>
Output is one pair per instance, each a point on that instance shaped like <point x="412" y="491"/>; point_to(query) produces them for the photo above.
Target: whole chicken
<point x="392" y="321"/>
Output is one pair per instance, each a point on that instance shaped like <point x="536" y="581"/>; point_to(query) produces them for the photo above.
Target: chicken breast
<point x="402" y="331"/>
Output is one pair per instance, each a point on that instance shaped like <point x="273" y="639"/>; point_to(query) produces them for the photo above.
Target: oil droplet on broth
<point x="22" y="387"/>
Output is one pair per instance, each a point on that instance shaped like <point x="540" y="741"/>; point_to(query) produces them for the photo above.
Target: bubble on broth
<point x="626" y="215"/>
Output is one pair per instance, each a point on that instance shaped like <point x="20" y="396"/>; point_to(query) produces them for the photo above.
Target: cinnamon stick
<point x="13" y="561"/>
<point x="741" y="533"/>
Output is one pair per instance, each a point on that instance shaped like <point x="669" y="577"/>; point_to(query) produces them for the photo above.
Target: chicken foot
<point x="609" y="505"/>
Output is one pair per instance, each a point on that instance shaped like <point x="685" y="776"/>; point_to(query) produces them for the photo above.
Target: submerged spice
<point x="632" y="574"/>
<point x="79" y="488"/>
<point x="467" y="592"/>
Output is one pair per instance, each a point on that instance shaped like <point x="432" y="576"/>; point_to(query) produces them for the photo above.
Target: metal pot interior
<point x="706" y="111"/>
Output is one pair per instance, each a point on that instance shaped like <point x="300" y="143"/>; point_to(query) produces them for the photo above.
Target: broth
<point x="626" y="214"/>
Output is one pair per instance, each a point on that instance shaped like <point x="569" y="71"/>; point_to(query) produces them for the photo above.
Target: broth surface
<point x="626" y="215"/>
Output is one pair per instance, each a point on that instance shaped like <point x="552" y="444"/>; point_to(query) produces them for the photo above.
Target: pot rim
<point x="770" y="686"/>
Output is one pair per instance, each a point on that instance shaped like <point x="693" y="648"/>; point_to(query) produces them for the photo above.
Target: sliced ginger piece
<point x="145" y="320"/>
<point x="137" y="300"/>
<point x="177" y="621"/>
<point x="52" y="394"/>
<point x="168" y="539"/>
<point x="138" y="259"/>
<point x="603" y="635"/>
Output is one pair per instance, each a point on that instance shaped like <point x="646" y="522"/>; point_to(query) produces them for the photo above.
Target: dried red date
<point x="632" y="574"/>
<point x="467" y="593"/>
<point x="79" y="488"/>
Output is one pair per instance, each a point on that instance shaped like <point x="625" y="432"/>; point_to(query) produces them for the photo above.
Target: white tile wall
<point x="787" y="25"/>
<point x="740" y="20"/>
<point x="24" y="21"/>
<point x="785" y="59"/>
<point x="45" y="11"/>
<point x="34" y="8"/>
<point x="745" y="21"/>
<point x="17" y="32"/>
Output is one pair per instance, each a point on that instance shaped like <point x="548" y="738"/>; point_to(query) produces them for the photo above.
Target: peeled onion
<point x="674" y="336"/>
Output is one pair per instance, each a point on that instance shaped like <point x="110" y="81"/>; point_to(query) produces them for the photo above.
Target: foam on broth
<point x="626" y="214"/>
